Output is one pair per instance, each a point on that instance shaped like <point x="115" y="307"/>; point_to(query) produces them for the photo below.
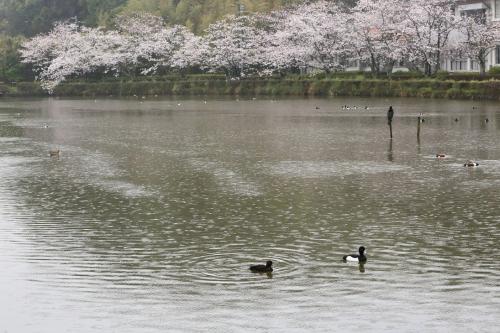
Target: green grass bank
<point x="196" y="85"/>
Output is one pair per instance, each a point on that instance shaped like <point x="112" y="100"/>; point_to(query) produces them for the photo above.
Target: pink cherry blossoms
<point x="316" y="35"/>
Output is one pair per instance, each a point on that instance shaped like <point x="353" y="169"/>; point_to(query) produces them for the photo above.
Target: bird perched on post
<point x="390" y="115"/>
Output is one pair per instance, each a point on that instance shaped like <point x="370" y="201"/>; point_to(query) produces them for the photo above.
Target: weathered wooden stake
<point x="390" y="156"/>
<point x="418" y="127"/>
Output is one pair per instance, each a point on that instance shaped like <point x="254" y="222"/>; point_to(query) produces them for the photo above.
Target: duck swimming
<point x="440" y="155"/>
<point x="54" y="153"/>
<point x="356" y="257"/>
<point x="470" y="163"/>
<point x="267" y="268"/>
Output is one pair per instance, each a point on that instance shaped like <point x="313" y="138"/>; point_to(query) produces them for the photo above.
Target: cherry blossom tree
<point x="232" y="45"/>
<point x="190" y="54"/>
<point x="426" y="28"/>
<point x="148" y="43"/>
<point x="376" y="33"/>
<point x="478" y="39"/>
<point x="141" y="43"/>
<point x="42" y="50"/>
<point x="309" y="35"/>
<point x="70" y="50"/>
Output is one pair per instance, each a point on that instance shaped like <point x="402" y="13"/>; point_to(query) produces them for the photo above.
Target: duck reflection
<point x="362" y="267"/>
<point x="268" y="275"/>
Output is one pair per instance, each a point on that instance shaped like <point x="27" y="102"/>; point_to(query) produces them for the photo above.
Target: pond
<point x="149" y="217"/>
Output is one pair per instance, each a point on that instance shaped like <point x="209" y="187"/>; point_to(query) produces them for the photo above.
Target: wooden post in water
<point x="418" y="128"/>
<point x="390" y="156"/>
<point x="390" y="115"/>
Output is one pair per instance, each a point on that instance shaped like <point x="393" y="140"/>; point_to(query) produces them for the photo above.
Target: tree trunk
<point x="482" y="62"/>
<point x="427" y="69"/>
<point x="374" y="66"/>
<point x="482" y="67"/>
<point x="389" y="68"/>
<point x="438" y="56"/>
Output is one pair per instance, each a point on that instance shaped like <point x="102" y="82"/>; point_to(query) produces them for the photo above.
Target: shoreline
<point x="212" y="85"/>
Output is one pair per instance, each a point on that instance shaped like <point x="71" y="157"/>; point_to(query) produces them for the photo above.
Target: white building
<point x="491" y="11"/>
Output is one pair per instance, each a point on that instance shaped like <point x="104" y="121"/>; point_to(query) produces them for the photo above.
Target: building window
<point x="497" y="9"/>
<point x="479" y="15"/>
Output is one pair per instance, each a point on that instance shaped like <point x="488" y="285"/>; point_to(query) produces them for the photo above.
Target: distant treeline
<point x="29" y="18"/>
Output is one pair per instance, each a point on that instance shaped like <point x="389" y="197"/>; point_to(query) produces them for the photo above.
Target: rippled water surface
<point x="153" y="211"/>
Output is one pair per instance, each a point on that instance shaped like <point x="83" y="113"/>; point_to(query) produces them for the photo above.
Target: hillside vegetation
<point x="29" y="18"/>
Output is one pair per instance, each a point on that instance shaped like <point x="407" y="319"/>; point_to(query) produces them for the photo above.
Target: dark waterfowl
<point x="440" y="155"/>
<point x="361" y="257"/>
<point x="471" y="164"/>
<point x="267" y="268"/>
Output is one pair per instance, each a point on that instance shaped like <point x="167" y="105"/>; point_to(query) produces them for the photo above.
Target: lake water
<point x="151" y="215"/>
